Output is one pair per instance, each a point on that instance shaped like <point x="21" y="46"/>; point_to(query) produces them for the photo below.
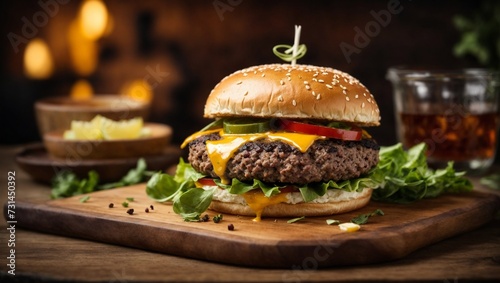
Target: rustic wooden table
<point x="472" y="256"/>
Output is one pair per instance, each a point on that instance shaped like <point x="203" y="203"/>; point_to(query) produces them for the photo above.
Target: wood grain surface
<point x="270" y="243"/>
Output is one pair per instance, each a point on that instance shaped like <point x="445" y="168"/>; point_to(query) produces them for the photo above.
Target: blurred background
<point x="174" y="52"/>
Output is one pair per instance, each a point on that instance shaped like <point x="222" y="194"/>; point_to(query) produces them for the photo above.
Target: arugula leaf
<point x="192" y="203"/>
<point x="162" y="187"/>
<point x="185" y="172"/>
<point x="295" y="219"/>
<point x="405" y="177"/>
<point x="84" y="199"/>
<point x="66" y="183"/>
<point x="332" y="221"/>
<point x="133" y="176"/>
<point x="363" y="218"/>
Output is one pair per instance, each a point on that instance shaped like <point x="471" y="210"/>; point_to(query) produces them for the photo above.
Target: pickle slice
<point x="213" y="125"/>
<point x="246" y="126"/>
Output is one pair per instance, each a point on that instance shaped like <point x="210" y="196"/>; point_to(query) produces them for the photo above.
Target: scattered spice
<point x="130" y="199"/>
<point x="218" y="218"/>
<point x="125" y="204"/>
<point x="152" y="207"/>
<point x="230" y="227"/>
<point x="130" y="211"/>
<point x="111" y="205"/>
<point x="205" y="218"/>
<point x="146" y="210"/>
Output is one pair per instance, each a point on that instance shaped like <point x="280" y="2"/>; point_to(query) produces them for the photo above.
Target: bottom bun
<point x="298" y="209"/>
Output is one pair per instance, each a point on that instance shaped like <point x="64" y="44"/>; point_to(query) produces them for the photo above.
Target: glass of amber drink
<point x="456" y="113"/>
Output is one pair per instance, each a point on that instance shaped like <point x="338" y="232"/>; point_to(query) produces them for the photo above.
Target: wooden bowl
<point x="56" y="113"/>
<point x="42" y="167"/>
<point x="154" y="144"/>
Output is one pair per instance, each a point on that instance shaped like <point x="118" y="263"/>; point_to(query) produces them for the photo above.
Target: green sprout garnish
<point x="291" y="53"/>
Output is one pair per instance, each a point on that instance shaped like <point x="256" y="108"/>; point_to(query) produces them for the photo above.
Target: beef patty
<point x="278" y="162"/>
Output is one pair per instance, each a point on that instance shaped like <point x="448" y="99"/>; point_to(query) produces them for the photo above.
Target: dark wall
<point x="199" y="42"/>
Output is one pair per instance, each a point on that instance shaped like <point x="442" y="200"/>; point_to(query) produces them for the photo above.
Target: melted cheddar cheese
<point x="257" y="201"/>
<point x="197" y="135"/>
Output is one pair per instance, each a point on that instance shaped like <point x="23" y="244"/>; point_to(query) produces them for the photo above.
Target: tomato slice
<point x="206" y="182"/>
<point x="353" y="134"/>
<point x="289" y="189"/>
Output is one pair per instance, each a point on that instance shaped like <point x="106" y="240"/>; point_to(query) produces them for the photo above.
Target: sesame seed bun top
<point x="295" y="92"/>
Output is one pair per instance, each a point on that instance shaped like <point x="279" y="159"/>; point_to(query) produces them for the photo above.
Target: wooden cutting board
<point x="306" y="244"/>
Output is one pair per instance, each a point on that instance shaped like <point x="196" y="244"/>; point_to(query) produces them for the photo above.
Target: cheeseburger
<point x="287" y="141"/>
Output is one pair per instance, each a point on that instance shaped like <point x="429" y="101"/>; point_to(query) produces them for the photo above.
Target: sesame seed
<point x="282" y="82"/>
<point x="288" y="78"/>
<point x="321" y="81"/>
<point x="325" y="73"/>
<point x="369" y="100"/>
<point x="329" y="86"/>
<point x="347" y="98"/>
<point x="245" y="94"/>
<point x="245" y="74"/>
<point x="363" y="105"/>
<point x="294" y="103"/>
<point x="314" y="93"/>
<point x="263" y="74"/>
<point x="315" y="75"/>
<point x="239" y="82"/>
<point x="280" y="98"/>
<point x="364" y="94"/>
<point x="318" y="97"/>
<point x="306" y="82"/>
<point x="342" y="87"/>
<point x="344" y="91"/>
<point x="308" y="87"/>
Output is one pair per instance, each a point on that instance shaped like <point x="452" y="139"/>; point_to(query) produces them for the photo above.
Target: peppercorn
<point x="111" y="205"/>
<point x="152" y="207"/>
<point x="130" y="211"/>
<point x="230" y="227"/>
<point x="217" y="218"/>
<point x="146" y="210"/>
<point x="205" y="218"/>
